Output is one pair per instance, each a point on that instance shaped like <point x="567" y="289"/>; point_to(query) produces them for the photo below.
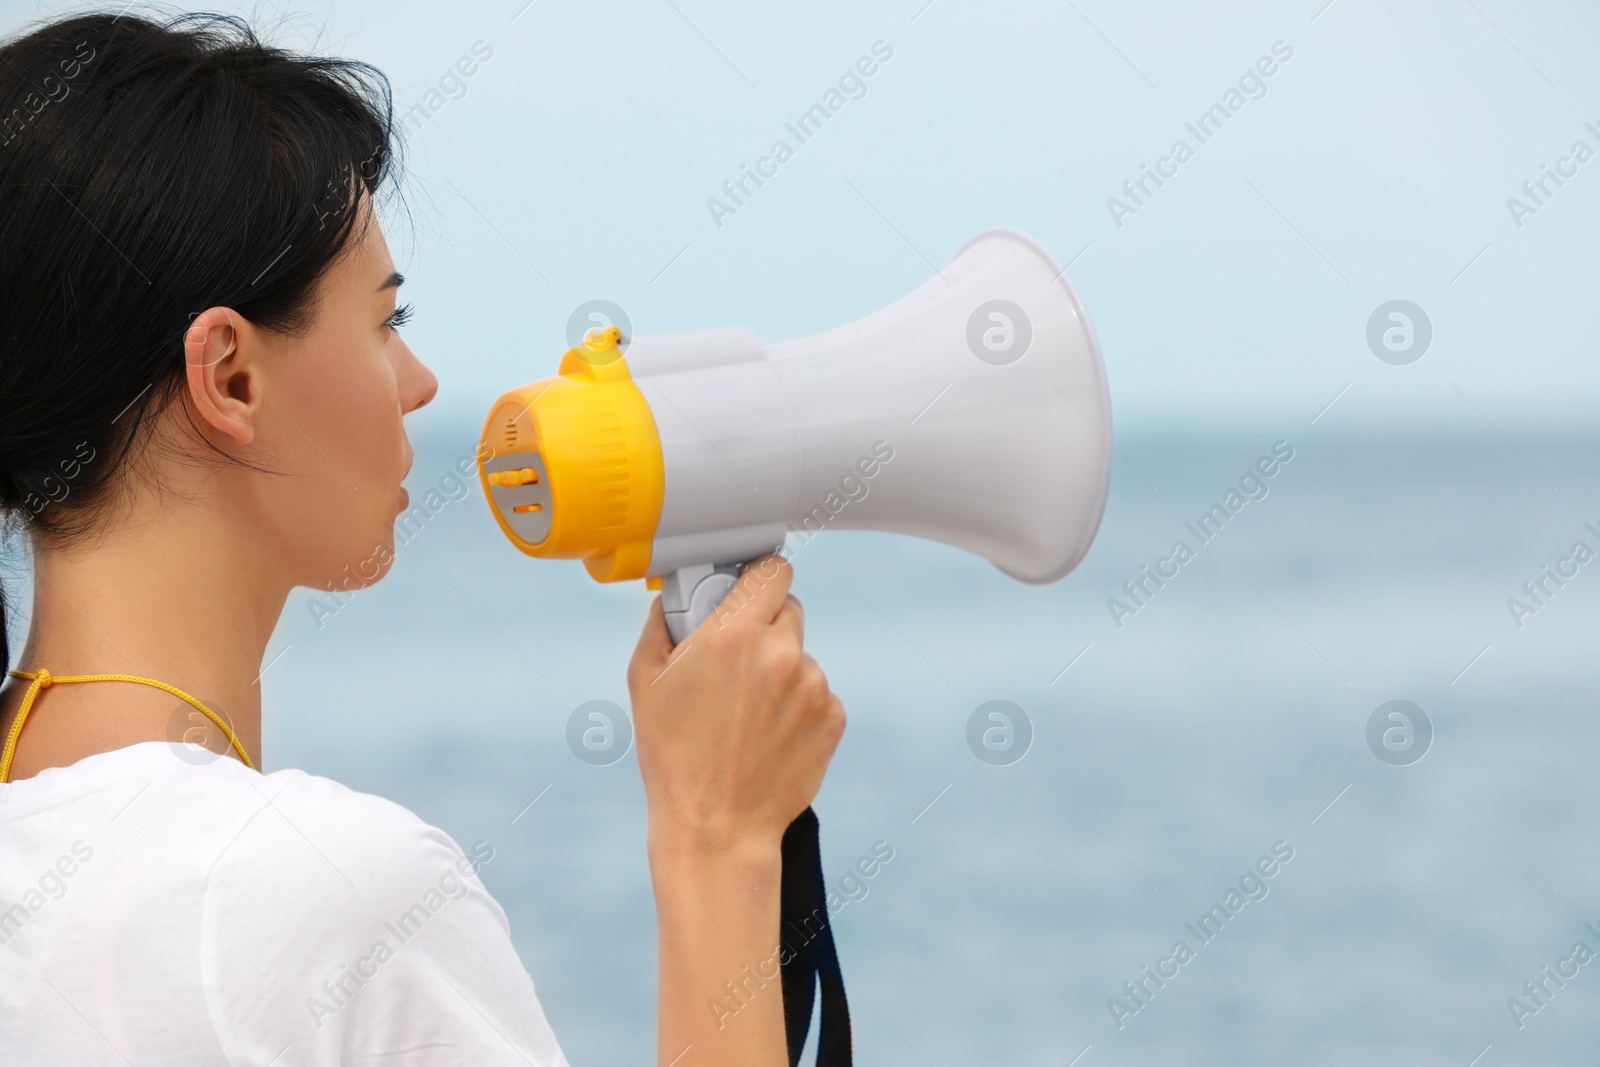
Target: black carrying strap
<point x="807" y="935"/>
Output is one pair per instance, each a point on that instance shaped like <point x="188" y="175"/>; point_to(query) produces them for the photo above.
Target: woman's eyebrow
<point x="393" y="281"/>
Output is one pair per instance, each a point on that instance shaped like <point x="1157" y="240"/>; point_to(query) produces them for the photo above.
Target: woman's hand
<point x="735" y="726"/>
<point x="735" y="730"/>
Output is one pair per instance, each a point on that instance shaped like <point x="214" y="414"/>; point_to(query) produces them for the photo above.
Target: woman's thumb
<point x="655" y="643"/>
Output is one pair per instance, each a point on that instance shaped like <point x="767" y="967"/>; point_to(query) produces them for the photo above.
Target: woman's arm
<point x="717" y="928"/>
<point x="735" y="729"/>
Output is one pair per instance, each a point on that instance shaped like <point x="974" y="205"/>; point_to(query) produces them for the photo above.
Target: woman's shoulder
<point x="325" y="891"/>
<point x="182" y="819"/>
<point x="303" y="832"/>
<point x="277" y="845"/>
<point x="266" y="905"/>
<point x="187" y="809"/>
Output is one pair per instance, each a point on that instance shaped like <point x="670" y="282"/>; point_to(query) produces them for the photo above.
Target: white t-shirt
<point x="158" y="906"/>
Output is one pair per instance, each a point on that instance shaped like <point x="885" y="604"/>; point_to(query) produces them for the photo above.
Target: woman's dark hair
<point x="151" y="168"/>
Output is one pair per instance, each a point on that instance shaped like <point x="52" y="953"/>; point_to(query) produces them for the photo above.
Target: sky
<point x="581" y="158"/>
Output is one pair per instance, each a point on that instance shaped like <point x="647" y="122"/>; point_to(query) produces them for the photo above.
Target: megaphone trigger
<point x="689" y="595"/>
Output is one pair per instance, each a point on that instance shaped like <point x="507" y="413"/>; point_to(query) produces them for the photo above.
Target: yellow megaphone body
<point x="974" y="411"/>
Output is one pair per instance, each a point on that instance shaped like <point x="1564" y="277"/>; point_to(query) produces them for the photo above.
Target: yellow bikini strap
<point x="43" y="679"/>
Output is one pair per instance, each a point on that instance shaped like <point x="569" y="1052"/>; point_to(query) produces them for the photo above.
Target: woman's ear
<point x="222" y="373"/>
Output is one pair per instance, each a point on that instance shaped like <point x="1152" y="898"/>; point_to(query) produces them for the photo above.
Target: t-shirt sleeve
<point x="340" y="928"/>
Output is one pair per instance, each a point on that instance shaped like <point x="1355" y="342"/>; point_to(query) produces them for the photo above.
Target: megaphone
<point x="973" y="412"/>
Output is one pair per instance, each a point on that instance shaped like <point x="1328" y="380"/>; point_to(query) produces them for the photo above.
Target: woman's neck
<point x="177" y="596"/>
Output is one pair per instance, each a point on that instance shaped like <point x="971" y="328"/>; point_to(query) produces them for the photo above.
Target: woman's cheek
<point x="368" y="423"/>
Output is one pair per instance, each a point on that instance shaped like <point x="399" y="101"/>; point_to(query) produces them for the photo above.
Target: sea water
<point x="1162" y="759"/>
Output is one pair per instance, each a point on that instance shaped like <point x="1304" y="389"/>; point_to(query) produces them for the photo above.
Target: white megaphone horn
<point x="973" y="412"/>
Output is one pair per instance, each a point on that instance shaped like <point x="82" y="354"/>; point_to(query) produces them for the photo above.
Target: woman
<point x="201" y="398"/>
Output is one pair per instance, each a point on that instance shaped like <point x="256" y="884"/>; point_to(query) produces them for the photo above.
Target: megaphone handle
<point x="690" y="594"/>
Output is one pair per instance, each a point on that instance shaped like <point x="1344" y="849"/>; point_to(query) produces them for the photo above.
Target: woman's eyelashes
<point x="401" y="316"/>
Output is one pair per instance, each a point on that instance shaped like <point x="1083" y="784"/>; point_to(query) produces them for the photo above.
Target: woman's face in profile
<point x="332" y="423"/>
